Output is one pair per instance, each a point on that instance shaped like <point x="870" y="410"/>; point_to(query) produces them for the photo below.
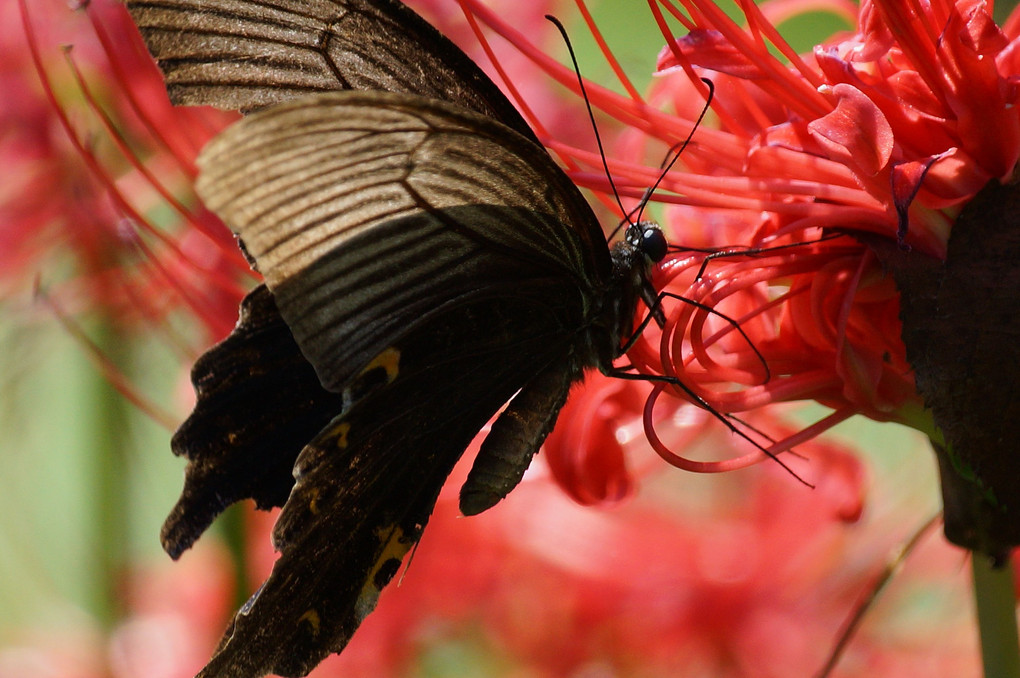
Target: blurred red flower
<point x="887" y="130"/>
<point x="103" y="167"/>
<point x="744" y="578"/>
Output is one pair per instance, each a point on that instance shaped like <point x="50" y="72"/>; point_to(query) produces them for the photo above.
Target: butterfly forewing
<point x="247" y="54"/>
<point x="324" y="191"/>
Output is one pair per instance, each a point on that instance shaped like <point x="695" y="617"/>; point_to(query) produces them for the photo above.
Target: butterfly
<point x="426" y="262"/>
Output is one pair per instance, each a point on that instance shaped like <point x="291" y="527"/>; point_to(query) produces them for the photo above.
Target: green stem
<point x="996" y="612"/>
<point x="108" y="417"/>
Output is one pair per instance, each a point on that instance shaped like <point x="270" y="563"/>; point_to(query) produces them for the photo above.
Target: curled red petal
<point x="856" y="133"/>
<point x="953" y="176"/>
<point x="583" y="452"/>
<point x="875" y="37"/>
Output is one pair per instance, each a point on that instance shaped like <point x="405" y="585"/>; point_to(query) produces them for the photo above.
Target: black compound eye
<point x="653" y="243"/>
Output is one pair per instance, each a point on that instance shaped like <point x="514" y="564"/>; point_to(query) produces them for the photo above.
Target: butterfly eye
<point x="653" y="242"/>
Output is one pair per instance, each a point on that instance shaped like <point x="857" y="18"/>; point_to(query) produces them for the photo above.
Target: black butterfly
<point x="425" y="260"/>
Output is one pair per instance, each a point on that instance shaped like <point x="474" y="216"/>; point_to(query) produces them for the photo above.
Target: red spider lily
<point x="888" y="130"/>
<point x="886" y="134"/>
<point x="863" y="136"/>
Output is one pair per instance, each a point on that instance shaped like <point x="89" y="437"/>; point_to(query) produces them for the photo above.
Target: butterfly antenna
<point x="674" y="152"/>
<point x="591" y="114"/>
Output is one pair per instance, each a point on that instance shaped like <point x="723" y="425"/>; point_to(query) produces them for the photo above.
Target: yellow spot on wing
<point x="312" y="617"/>
<point x="340" y="432"/>
<point x="394" y="547"/>
<point x="388" y="360"/>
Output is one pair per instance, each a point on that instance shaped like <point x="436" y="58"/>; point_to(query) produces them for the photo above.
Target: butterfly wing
<point x="430" y="263"/>
<point x="247" y="54"/>
<point x="367" y="483"/>
<point x="516" y="436"/>
<point x="328" y="191"/>
<point x="258" y="403"/>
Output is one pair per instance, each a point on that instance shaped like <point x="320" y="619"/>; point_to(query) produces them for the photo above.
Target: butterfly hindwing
<point x="367" y="483"/>
<point x="489" y="298"/>
<point x="258" y="401"/>
<point x="515" y="437"/>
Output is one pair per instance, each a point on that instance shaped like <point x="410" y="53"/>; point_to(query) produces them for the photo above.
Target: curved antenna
<point x="670" y="159"/>
<point x="674" y="152"/>
<point x="591" y="115"/>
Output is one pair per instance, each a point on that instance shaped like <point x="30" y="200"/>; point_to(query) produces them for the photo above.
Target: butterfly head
<point x="647" y="238"/>
<point x="643" y="245"/>
<point x="648" y="246"/>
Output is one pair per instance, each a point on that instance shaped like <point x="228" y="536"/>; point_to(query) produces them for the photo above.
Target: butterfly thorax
<point x="632" y="258"/>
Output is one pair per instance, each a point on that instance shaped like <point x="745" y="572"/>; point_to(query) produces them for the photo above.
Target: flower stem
<point x="996" y="612"/>
<point x="107" y="448"/>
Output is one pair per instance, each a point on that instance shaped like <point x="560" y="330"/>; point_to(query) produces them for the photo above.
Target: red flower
<point x="888" y="131"/>
<point x="747" y="579"/>
<point x="876" y="132"/>
<point x="887" y="135"/>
